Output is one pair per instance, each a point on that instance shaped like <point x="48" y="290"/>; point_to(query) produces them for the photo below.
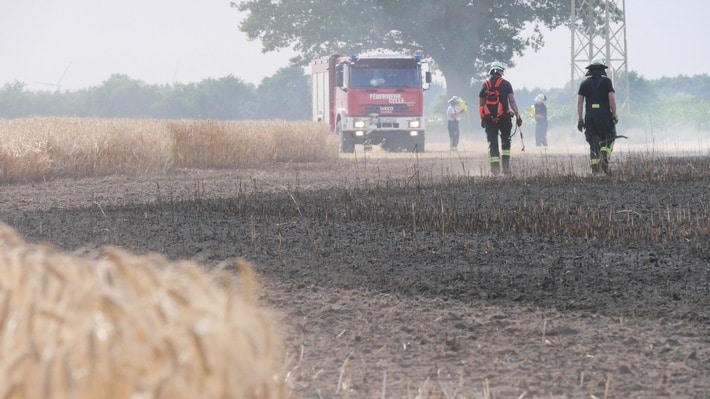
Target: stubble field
<point x="405" y="276"/>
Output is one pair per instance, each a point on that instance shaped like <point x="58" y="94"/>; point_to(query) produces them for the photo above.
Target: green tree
<point x="640" y="90"/>
<point x="697" y="86"/>
<point x="224" y="98"/>
<point x="120" y="96"/>
<point x="461" y="36"/>
<point x="15" y="101"/>
<point x="176" y="101"/>
<point x="285" y="95"/>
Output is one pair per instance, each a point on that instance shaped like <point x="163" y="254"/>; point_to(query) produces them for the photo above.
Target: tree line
<point x="661" y="103"/>
<point x="285" y="95"/>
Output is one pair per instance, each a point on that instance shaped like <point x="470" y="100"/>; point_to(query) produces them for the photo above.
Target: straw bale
<point x="118" y="325"/>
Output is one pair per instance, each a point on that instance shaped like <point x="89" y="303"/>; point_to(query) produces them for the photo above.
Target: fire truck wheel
<point x="347" y="141"/>
<point x="392" y="145"/>
<point x="418" y="144"/>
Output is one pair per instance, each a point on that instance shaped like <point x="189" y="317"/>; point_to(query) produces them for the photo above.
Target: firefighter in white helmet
<point x="596" y="97"/>
<point x="497" y="107"/>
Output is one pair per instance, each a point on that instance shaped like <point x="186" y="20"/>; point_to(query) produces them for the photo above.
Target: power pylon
<point x="598" y="30"/>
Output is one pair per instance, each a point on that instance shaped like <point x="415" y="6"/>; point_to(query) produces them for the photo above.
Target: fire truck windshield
<point x="385" y="78"/>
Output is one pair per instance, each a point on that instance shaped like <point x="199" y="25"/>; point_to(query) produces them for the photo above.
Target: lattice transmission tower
<point x="598" y="29"/>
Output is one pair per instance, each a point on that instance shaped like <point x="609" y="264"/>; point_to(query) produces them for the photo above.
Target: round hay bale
<point x="118" y="325"/>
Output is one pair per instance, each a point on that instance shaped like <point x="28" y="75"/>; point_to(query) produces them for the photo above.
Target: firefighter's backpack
<point x="493" y="109"/>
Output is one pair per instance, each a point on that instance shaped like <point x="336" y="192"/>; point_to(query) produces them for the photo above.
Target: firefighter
<point x="540" y="115"/>
<point x="596" y="96"/>
<point x="497" y="107"/>
<point x="453" y="114"/>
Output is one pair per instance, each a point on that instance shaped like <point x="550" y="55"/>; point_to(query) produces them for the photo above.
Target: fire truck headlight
<point x="359" y="133"/>
<point x="414" y="133"/>
<point x="359" y="124"/>
<point x="414" y="124"/>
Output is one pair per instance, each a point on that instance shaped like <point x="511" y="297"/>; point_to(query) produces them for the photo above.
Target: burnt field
<point x="399" y="276"/>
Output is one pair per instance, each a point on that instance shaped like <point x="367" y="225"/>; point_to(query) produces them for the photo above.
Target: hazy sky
<point x="165" y="41"/>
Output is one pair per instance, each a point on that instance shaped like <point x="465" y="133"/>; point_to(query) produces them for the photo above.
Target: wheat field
<point x="112" y="324"/>
<point x="38" y="149"/>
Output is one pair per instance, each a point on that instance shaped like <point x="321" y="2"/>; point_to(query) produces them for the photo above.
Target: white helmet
<point x="496" y="67"/>
<point x="597" y="63"/>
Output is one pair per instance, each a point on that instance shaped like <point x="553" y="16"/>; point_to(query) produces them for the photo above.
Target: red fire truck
<point x="372" y="100"/>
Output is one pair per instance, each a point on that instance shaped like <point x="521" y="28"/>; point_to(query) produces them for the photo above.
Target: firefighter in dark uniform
<point x="596" y="96"/>
<point x="499" y="127"/>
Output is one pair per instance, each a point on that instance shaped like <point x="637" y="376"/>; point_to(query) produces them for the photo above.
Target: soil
<point x="398" y="275"/>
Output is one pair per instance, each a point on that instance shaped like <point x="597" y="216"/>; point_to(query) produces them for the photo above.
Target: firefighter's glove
<point x="580" y="125"/>
<point x="518" y="120"/>
<point x="615" y="118"/>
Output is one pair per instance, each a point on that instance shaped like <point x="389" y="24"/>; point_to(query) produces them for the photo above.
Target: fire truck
<point x="372" y="100"/>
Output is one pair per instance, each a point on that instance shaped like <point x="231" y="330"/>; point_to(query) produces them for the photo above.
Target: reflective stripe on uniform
<point x="505" y="153"/>
<point x="608" y="149"/>
<point x="594" y="161"/>
<point x="493" y="159"/>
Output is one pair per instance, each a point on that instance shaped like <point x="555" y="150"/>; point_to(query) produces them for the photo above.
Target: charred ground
<point x="399" y="275"/>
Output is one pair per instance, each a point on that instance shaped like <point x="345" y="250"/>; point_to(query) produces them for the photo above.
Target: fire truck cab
<point x="372" y="100"/>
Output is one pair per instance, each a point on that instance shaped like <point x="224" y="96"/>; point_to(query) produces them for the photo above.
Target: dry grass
<point x="117" y="325"/>
<point x="47" y="148"/>
<point x="217" y="144"/>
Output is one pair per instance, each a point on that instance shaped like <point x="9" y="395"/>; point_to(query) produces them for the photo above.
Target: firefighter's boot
<point x="495" y="168"/>
<point x="505" y="163"/>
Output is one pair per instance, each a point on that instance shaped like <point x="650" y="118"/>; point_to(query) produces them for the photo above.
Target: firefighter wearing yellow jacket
<point x="456" y="108"/>
<point x="539" y="111"/>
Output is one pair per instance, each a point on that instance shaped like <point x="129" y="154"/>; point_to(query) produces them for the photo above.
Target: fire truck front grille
<point x="388" y="124"/>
